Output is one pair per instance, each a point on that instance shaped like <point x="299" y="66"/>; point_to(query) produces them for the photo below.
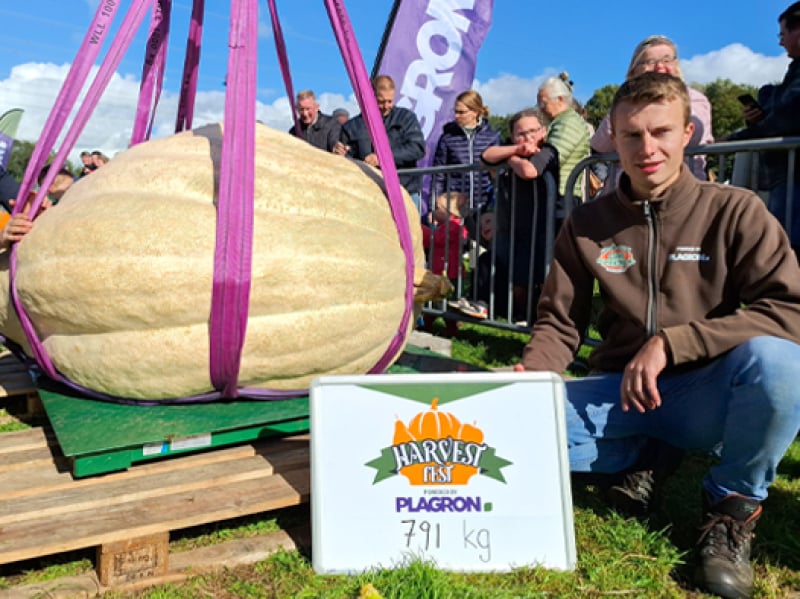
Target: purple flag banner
<point x="6" y="142"/>
<point x="431" y="53"/>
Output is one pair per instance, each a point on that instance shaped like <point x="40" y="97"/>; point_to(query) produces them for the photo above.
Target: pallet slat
<point x="44" y="510"/>
<point x="47" y="536"/>
<point x="127" y="490"/>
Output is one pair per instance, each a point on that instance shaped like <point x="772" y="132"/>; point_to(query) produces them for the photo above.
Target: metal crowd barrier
<point x="502" y="312"/>
<point x="745" y="171"/>
<point x="486" y="267"/>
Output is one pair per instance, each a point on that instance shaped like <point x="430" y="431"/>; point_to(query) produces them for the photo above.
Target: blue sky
<point x="528" y="41"/>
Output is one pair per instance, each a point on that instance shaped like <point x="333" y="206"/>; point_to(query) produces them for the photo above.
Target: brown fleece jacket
<point x="710" y="269"/>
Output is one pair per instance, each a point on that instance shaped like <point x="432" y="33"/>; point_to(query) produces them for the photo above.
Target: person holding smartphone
<point x="775" y="114"/>
<point x="701" y="333"/>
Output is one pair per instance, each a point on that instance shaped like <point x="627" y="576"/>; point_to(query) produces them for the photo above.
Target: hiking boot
<point x="634" y="494"/>
<point x="724" y="567"/>
<point x="637" y="491"/>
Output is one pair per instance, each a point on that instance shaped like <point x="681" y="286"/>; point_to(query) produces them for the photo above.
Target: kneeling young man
<point x="700" y="328"/>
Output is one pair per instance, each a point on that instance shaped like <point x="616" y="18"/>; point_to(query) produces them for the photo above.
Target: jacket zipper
<point x="652" y="286"/>
<point x="470" y="139"/>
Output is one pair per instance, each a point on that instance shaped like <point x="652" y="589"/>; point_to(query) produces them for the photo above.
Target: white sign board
<point x="466" y="470"/>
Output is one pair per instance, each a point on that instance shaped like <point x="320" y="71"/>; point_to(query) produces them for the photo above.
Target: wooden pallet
<point x="128" y="515"/>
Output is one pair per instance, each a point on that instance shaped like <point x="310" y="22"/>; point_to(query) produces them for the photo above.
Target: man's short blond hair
<point x="306" y="93"/>
<point x="382" y="83"/>
<point x="651" y="88"/>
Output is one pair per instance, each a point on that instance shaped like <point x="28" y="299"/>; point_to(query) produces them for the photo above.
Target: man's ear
<point x="687" y="133"/>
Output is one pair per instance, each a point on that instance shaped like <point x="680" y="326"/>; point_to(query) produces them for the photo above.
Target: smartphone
<point x="749" y="100"/>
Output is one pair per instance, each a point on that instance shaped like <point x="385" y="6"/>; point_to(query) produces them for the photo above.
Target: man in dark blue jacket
<point x="402" y="128"/>
<point x="776" y="115"/>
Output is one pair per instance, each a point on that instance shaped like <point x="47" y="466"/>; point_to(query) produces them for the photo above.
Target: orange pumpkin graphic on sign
<point x="447" y="446"/>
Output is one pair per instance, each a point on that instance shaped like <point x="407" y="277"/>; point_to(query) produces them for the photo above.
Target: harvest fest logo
<point x="435" y="448"/>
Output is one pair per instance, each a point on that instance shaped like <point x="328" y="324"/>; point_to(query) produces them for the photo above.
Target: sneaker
<point x="724" y="567"/>
<point x="474" y="309"/>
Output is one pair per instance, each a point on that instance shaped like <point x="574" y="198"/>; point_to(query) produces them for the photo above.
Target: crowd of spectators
<point x="730" y="324"/>
<point x="667" y="350"/>
<point x="501" y="180"/>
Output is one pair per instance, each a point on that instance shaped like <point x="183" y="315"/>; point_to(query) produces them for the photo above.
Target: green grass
<point x="9" y="423"/>
<point x="488" y="347"/>
<point x="617" y="557"/>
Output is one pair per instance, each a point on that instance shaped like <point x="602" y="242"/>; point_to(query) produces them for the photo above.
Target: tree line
<point x="726" y="111"/>
<point x="726" y="117"/>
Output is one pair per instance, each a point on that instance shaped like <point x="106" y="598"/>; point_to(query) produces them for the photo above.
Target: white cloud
<point x="737" y="63"/>
<point x="34" y="86"/>
<point x="507" y="93"/>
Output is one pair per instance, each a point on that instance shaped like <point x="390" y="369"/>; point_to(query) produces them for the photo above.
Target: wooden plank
<point x="55" y="477"/>
<point x="44" y="510"/>
<point x="48" y="535"/>
<point x="145" y="489"/>
<point x="182" y="565"/>
<point x="24" y="439"/>
<point x="38" y="494"/>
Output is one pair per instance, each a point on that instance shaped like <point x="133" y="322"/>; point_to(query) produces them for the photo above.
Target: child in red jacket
<point x="443" y="244"/>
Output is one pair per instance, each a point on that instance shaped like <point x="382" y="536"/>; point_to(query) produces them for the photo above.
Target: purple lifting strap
<point x="66" y="100"/>
<point x="233" y="250"/>
<point x="183" y="120"/>
<point x="362" y="86"/>
<point x="234" y="246"/>
<point x="283" y="61"/>
<point x="155" y="59"/>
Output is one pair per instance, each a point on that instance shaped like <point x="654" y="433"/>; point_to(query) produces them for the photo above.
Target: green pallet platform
<point x="100" y="437"/>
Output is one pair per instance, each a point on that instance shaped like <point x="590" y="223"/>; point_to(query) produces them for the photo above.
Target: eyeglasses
<point x="457" y="111"/>
<point x="529" y="134"/>
<point x="651" y="62"/>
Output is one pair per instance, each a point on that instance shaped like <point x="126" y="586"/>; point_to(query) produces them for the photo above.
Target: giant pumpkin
<point x="117" y="278"/>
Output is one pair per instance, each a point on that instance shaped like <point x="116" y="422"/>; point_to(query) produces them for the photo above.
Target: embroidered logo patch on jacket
<point x="616" y="258"/>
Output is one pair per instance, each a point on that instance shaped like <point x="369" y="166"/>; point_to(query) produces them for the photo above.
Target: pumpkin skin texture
<point x="117" y="278"/>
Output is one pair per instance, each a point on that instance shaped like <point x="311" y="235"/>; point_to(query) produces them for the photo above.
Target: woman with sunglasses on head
<point x="462" y="142"/>
<point x="660" y="54"/>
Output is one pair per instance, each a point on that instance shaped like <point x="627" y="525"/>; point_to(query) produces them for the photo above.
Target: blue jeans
<point x="744" y="406"/>
<point x="777" y="206"/>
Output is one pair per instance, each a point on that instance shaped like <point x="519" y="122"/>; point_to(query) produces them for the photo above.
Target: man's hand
<point x="21" y="223"/>
<point x="372" y="160"/>
<point x="16" y="228"/>
<point x="340" y="149"/>
<point x="527" y="148"/>
<point x="752" y="114"/>
<point x="638" y="388"/>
